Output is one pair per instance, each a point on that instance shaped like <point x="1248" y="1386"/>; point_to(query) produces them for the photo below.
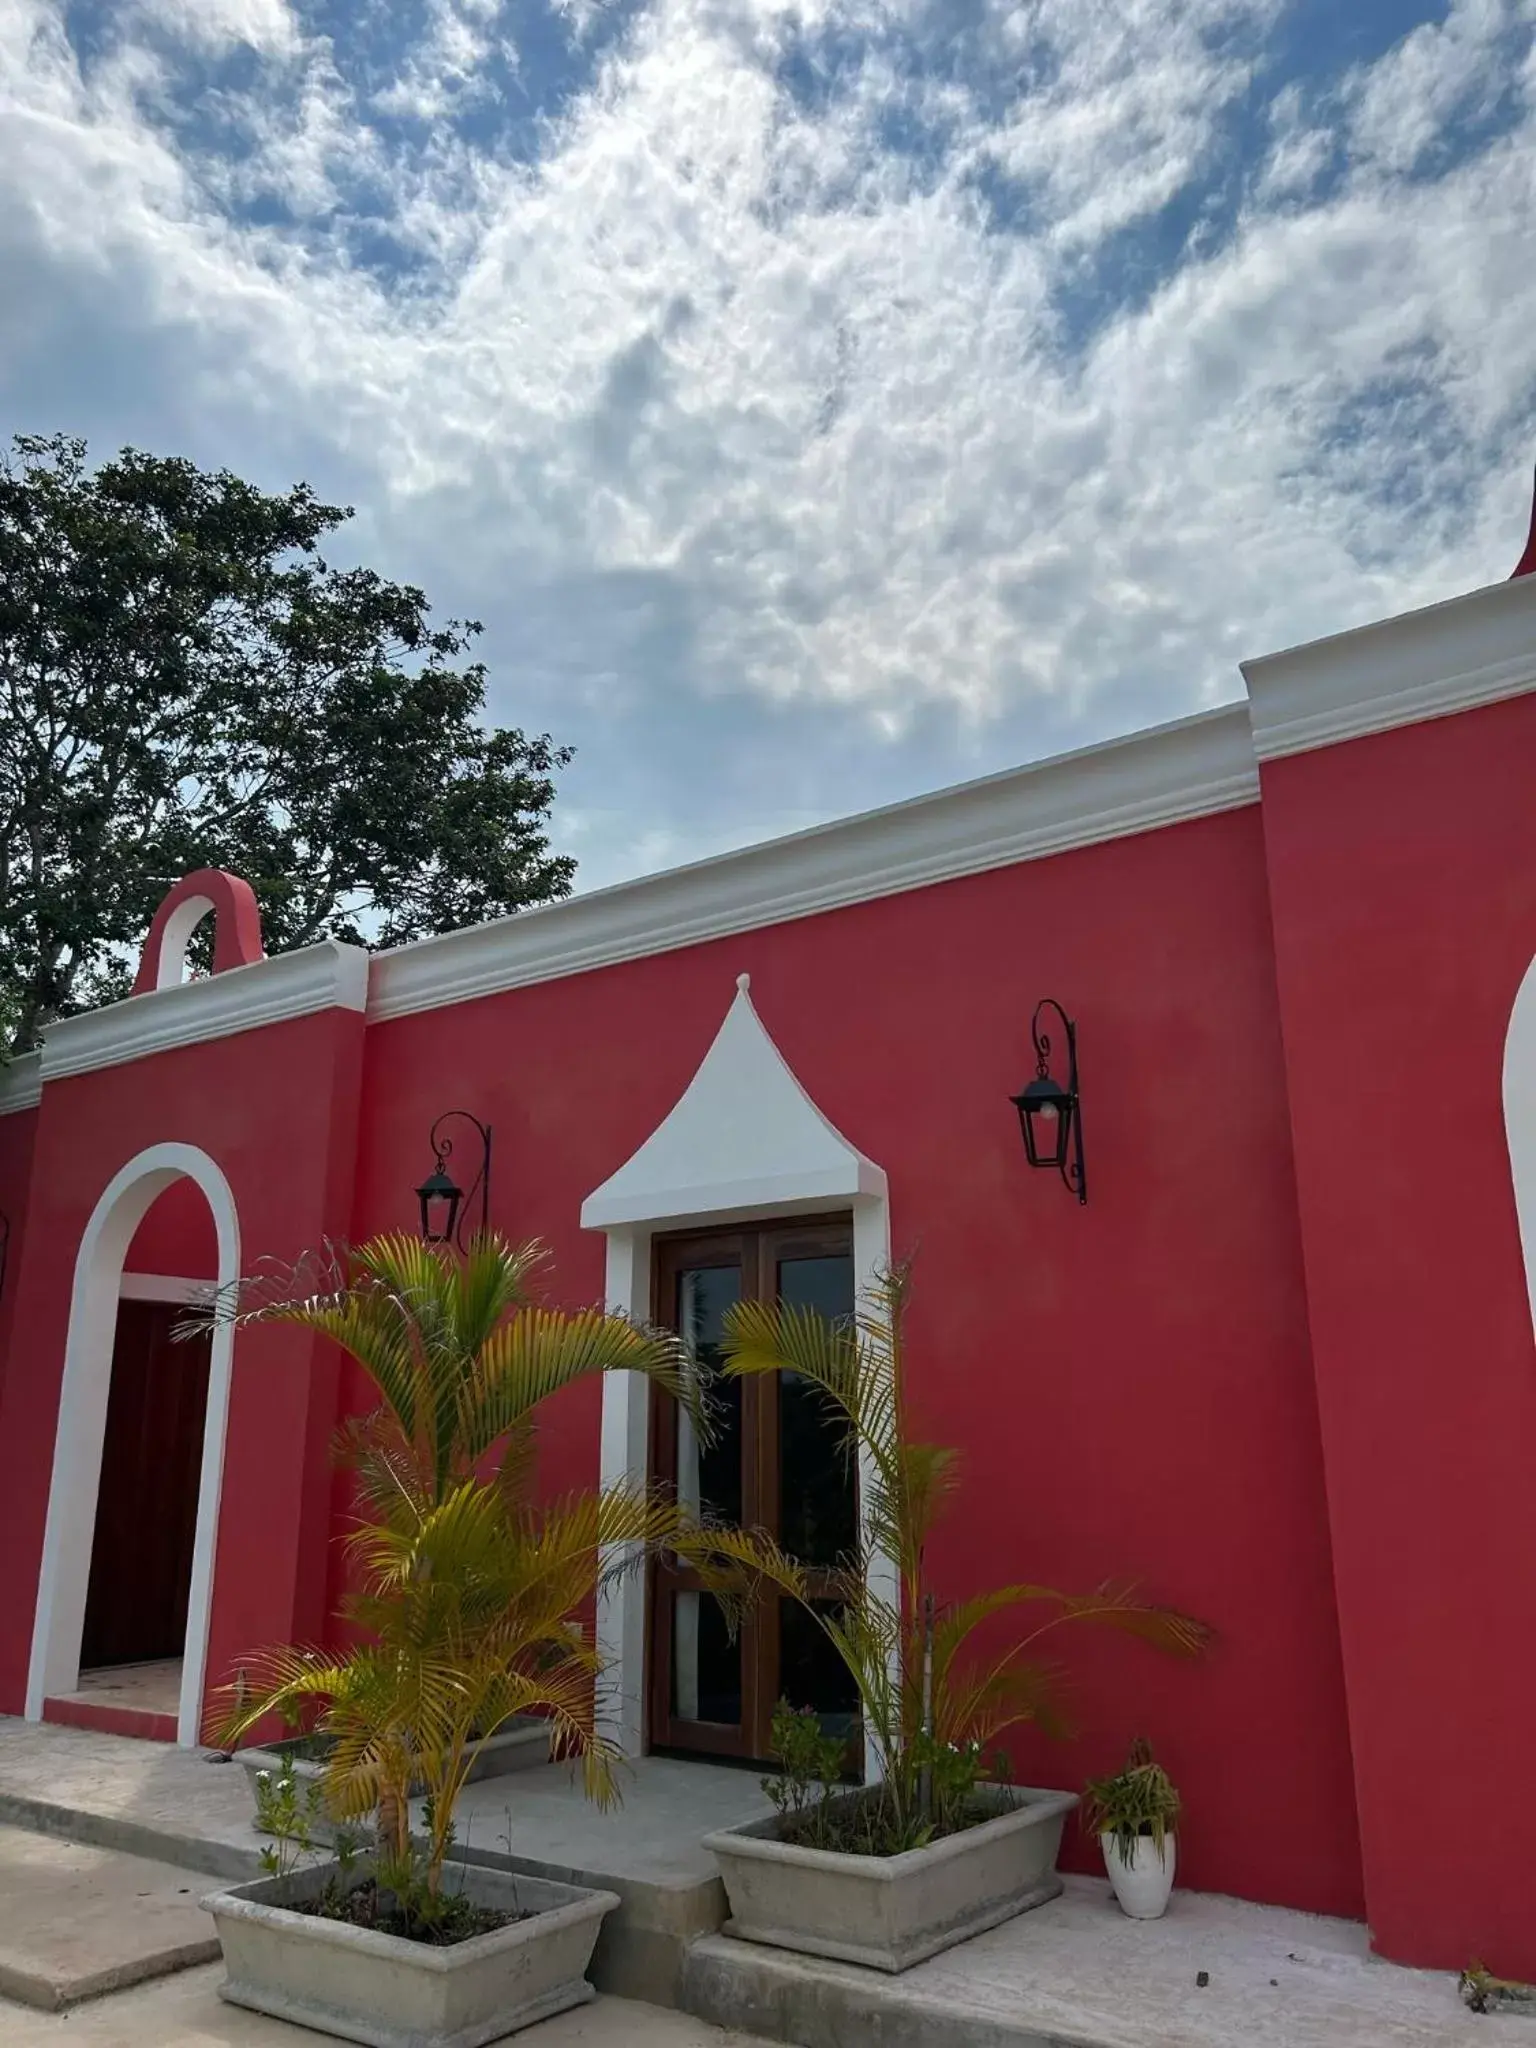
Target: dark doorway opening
<point x="146" y="1505"/>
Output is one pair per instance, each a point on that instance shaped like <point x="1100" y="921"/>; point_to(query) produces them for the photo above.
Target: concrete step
<point x="1077" y="1974"/>
<point x="186" y="1808"/>
<point x="77" y="1922"/>
<point x="144" y="1798"/>
<point x="186" y="2012"/>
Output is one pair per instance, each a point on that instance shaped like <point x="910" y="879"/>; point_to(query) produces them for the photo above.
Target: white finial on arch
<point x="1520" y="1120"/>
<point x="744" y="984"/>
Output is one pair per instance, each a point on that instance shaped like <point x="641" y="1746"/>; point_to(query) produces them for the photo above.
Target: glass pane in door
<point x="812" y="1676"/>
<point x="706" y="1660"/>
<point x="818" y="1514"/>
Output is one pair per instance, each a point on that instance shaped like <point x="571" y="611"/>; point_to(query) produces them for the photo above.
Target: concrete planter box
<point x="516" y="1747"/>
<point x="889" y="1912"/>
<point x="389" y="1993"/>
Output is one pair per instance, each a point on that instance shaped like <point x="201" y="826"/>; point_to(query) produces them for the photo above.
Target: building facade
<point x="1278" y="1368"/>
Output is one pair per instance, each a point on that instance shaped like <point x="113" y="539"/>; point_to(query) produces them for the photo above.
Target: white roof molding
<point x="1450" y="657"/>
<point x="1188" y="769"/>
<point x="325" y="976"/>
<point x="743" y="1138"/>
<point x="21" y="1083"/>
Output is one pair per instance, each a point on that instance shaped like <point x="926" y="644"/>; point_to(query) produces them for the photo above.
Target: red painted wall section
<point x="17" y="1133"/>
<point x="177" y="1236"/>
<point x="276" y="1109"/>
<point x="1130" y="1384"/>
<point x="1403" y="874"/>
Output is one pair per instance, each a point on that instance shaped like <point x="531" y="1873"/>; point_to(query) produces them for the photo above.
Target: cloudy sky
<point x="818" y="402"/>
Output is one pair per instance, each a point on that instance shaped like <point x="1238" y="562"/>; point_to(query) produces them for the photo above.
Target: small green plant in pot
<point x="1135" y="1814"/>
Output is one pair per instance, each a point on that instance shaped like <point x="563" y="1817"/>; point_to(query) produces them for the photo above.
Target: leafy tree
<point x="186" y="682"/>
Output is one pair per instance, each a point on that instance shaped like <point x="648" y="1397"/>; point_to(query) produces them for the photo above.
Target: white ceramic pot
<point x="1142" y="1881"/>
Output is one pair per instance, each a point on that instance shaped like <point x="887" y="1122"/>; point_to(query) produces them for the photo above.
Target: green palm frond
<point x="919" y="1675"/>
<point x="469" y="1596"/>
<point x="538" y="1352"/>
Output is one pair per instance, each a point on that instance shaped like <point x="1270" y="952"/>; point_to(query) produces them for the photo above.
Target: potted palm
<point x="468" y="1620"/>
<point x="1135" y="1814"/>
<point x="939" y="1848"/>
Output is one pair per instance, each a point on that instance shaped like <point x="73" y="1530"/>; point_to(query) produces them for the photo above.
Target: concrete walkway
<point x="77" y="1921"/>
<point x="187" y="2012"/>
<point x="186" y="1806"/>
<point x="146" y="1798"/>
<point x="1077" y="1971"/>
<point x="1074" y="1974"/>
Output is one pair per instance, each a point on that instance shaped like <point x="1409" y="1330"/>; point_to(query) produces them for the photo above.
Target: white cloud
<point x="787" y="475"/>
<point x="265" y="25"/>
<point x="447" y="66"/>
<point x="1442" y="71"/>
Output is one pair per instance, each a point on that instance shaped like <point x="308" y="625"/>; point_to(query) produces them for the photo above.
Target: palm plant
<point x="1139" y="1800"/>
<point x="471" y="1594"/>
<point x="929" y="1699"/>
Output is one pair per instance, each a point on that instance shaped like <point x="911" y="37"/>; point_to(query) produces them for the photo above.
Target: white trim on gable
<point x="21" y="1083"/>
<point x="321" y="977"/>
<point x="743" y="1139"/>
<point x="177" y="936"/>
<point x="1450" y="657"/>
<point x="1188" y="769"/>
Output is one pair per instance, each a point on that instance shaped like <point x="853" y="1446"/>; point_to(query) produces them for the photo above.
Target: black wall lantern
<point x="440" y="1196"/>
<point x="1050" y="1115"/>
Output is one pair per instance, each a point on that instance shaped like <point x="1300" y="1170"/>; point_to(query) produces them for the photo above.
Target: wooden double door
<point x="775" y="1462"/>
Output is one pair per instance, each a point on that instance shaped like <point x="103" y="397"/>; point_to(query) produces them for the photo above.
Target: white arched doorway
<point x="83" y="1397"/>
<point x="1520" y="1119"/>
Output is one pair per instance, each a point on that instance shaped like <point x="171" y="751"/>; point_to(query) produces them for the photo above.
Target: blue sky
<point x="817" y="402"/>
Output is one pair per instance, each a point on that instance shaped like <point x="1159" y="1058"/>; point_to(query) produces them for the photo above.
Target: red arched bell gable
<point x="236" y="933"/>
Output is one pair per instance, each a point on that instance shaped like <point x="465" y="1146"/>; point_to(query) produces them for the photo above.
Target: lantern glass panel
<point x="439" y="1199"/>
<point x="1045" y="1117"/>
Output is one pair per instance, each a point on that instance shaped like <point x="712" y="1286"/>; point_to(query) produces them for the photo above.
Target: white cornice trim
<point x="326" y="976"/>
<point x="21" y="1083"/>
<point x="1188" y="769"/>
<point x="1450" y="657"/>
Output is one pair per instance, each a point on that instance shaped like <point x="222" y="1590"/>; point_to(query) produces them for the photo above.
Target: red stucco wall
<point x="1403" y="874"/>
<point x="176" y="1237"/>
<point x="16" y="1138"/>
<point x="276" y="1110"/>
<point x="1130" y="1382"/>
<point x="1286" y="1347"/>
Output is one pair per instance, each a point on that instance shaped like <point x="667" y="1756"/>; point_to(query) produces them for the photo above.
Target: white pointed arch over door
<point x="743" y="1141"/>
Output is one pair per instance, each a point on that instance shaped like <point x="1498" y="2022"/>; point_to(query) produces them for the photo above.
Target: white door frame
<point x="743" y="1143"/>
<point x="66" y="1565"/>
<point x="1520" y="1120"/>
